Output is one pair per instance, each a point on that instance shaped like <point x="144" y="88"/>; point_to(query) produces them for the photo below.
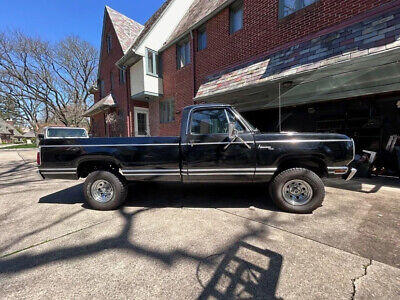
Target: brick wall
<point x="262" y="32"/>
<point x="120" y="92"/>
<point x="178" y="85"/>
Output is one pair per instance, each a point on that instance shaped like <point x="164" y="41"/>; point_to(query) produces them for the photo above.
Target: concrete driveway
<point x="202" y="241"/>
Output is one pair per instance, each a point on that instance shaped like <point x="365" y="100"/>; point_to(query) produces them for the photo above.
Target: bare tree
<point x="47" y="82"/>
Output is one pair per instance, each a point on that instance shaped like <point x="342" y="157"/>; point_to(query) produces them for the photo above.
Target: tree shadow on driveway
<point x="257" y="278"/>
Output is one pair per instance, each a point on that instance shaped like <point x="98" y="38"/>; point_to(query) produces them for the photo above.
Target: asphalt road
<point x="185" y="242"/>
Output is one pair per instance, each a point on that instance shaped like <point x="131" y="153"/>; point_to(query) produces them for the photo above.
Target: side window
<point x="236" y="16"/>
<point x="209" y="122"/>
<point x="109" y="43"/>
<point x="152" y="62"/>
<point x="183" y="54"/>
<point x="239" y="127"/>
<point x="287" y="7"/>
<point x="201" y="39"/>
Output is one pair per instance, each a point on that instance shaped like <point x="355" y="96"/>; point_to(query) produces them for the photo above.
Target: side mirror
<point x="40" y="136"/>
<point x="231" y="130"/>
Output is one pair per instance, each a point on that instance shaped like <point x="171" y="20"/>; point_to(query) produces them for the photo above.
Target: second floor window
<point x="152" y="63"/>
<point x="236" y="16"/>
<point x="109" y="43"/>
<point x="287" y="7"/>
<point x="201" y="39"/>
<point x="183" y="53"/>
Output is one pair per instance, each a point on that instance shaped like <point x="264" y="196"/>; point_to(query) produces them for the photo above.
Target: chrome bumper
<point x="350" y="174"/>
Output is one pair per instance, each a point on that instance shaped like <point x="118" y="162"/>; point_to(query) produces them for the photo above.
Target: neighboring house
<point x="8" y="133"/>
<point x="29" y="136"/>
<point x="110" y="112"/>
<point x="134" y="57"/>
<point x="332" y="65"/>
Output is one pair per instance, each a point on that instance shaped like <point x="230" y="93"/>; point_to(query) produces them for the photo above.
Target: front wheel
<point x="104" y="190"/>
<point x="297" y="190"/>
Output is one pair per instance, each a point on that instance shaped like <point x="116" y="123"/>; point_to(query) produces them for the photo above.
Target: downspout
<point x="194" y="65"/>
<point x="128" y="97"/>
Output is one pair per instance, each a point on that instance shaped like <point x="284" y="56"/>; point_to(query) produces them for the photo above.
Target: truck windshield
<point x="66" y="133"/>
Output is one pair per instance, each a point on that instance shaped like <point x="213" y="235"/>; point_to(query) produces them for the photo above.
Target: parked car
<point x="216" y="144"/>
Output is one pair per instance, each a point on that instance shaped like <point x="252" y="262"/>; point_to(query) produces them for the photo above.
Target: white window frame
<point x="156" y="63"/>
<point x="141" y="110"/>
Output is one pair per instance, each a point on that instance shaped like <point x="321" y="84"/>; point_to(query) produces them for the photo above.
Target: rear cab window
<point x="66" y="133"/>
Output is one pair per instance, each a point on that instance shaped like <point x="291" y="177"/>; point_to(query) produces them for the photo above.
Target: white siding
<point x="137" y="77"/>
<point x="166" y="24"/>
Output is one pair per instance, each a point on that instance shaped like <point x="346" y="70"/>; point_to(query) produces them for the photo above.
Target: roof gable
<point x="126" y="29"/>
<point x="198" y="11"/>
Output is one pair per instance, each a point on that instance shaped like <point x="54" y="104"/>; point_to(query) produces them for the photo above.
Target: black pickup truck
<point x="216" y="145"/>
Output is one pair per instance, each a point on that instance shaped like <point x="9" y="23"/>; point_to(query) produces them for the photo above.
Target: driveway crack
<point x="355" y="280"/>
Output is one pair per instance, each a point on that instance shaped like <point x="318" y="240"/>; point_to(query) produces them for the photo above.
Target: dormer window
<point x="109" y="43"/>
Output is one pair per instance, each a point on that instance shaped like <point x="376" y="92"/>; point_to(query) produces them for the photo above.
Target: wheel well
<point x="87" y="167"/>
<point x="316" y="165"/>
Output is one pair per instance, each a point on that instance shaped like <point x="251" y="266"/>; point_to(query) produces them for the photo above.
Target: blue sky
<point x="54" y="19"/>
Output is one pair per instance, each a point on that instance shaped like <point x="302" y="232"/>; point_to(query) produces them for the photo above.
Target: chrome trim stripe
<point x="151" y="171"/>
<point x="152" y="174"/>
<point x="207" y="174"/>
<point x="209" y="143"/>
<point x="266" y="169"/>
<point x="301" y="141"/>
<point x="58" y="173"/>
<point x="222" y="170"/>
<point x="58" y="169"/>
<point x="111" y="145"/>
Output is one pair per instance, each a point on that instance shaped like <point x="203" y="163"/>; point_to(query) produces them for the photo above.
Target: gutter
<point x="191" y="28"/>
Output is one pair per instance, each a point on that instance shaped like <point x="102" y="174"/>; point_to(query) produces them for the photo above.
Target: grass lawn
<point x="23" y="146"/>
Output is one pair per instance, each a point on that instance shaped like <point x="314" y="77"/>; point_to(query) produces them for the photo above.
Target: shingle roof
<point x="127" y="30"/>
<point x="102" y="105"/>
<point x="5" y="127"/>
<point x="29" y="134"/>
<point x="197" y="12"/>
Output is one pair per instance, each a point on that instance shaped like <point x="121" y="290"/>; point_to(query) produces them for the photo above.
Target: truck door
<point x="210" y="155"/>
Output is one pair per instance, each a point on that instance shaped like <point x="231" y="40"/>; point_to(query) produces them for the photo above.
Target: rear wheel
<point x="297" y="190"/>
<point x="104" y="190"/>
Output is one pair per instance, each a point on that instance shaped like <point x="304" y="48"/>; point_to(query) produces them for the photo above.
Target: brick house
<point x="110" y="114"/>
<point x="331" y="64"/>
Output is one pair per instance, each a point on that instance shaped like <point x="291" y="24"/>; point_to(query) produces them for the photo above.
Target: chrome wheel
<point x="102" y="191"/>
<point x="297" y="192"/>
